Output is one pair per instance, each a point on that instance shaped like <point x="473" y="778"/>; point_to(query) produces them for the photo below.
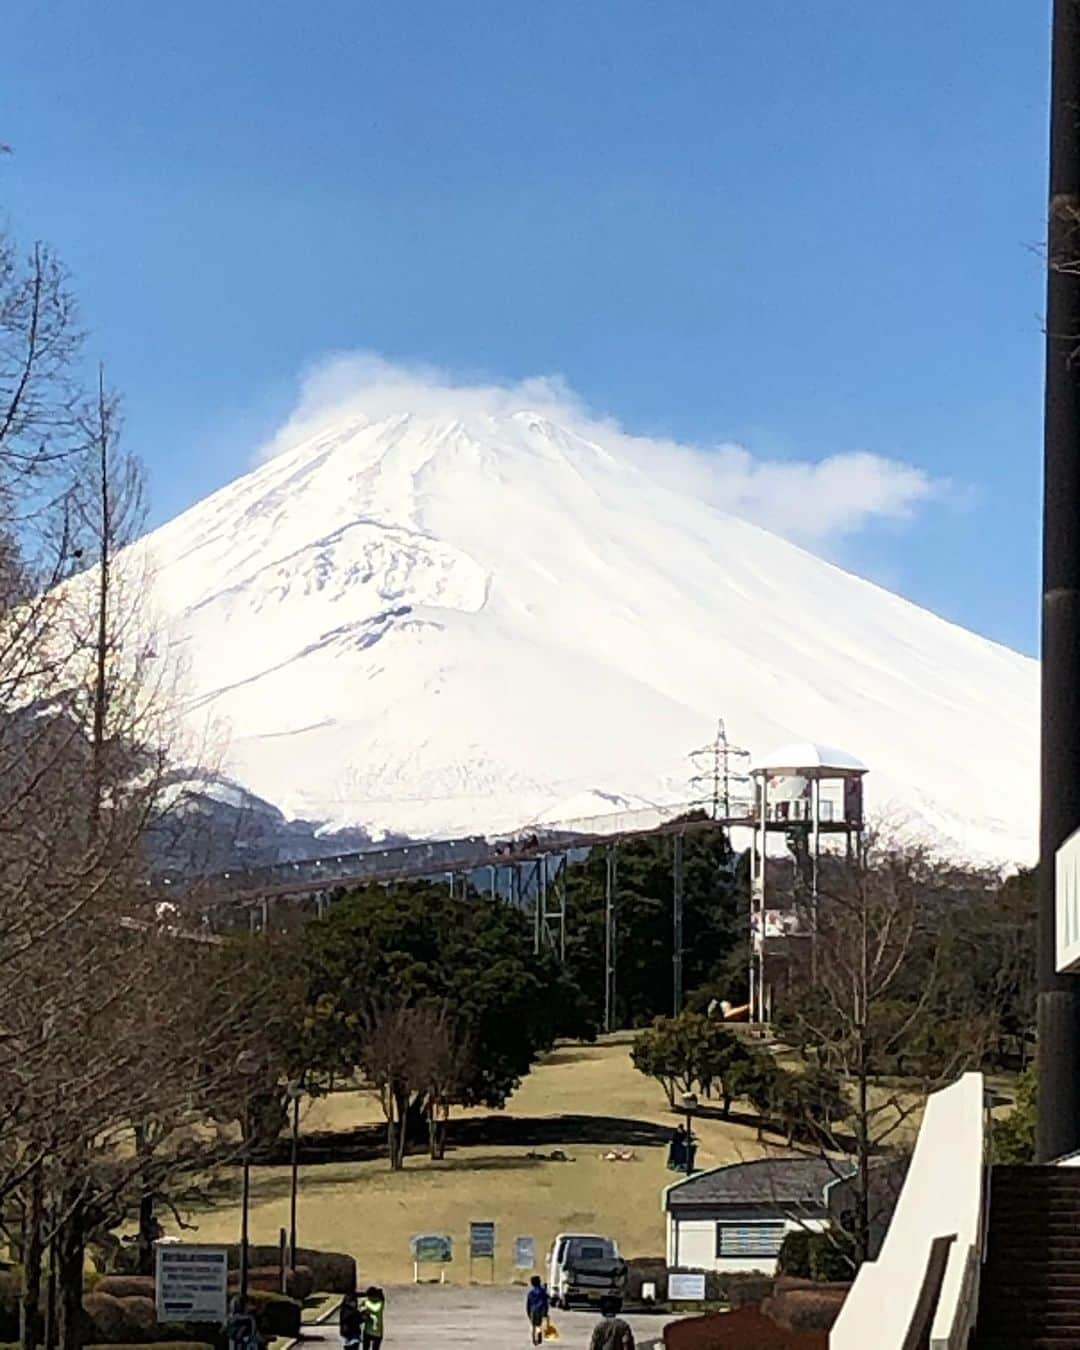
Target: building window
<point x="750" y="1239"/>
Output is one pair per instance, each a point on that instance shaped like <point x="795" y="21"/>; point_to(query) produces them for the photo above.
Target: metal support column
<point x="610" y="935"/>
<point x="541" y="902"/>
<point x="677" y="841"/>
<point x="1059" y="995"/>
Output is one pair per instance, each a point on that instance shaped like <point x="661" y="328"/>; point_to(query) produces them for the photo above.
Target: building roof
<point x="807" y="755"/>
<point x="794" y="1180"/>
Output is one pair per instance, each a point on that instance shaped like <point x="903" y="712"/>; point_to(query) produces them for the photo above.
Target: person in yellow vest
<point x="372" y="1309"/>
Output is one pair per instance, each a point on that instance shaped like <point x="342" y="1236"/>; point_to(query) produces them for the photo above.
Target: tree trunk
<point x="400" y="1139"/>
<point x="30" y="1306"/>
<point x="147" y="1218"/>
<point x="71" y="1255"/>
<point x="416" y="1119"/>
<point x="436" y="1134"/>
<point x="50" y="1298"/>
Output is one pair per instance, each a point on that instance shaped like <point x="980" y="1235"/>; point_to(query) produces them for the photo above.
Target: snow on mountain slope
<point x="432" y="626"/>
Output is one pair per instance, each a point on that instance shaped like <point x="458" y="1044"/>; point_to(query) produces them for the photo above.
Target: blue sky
<point x="811" y="229"/>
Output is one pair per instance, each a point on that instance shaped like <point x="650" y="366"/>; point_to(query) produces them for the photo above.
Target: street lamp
<point x="295" y="1091"/>
<point x="689" y="1105"/>
<point x="247" y="1065"/>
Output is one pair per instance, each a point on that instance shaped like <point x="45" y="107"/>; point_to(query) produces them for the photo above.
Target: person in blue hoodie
<point x="537" y="1306"/>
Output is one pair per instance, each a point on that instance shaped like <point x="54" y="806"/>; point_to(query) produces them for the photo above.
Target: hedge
<point x="275" y="1314"/>
<point x="794" y="1258"/>
<point x="299" y="1283"/>
<point x="125" y="1286"/>
<point x="813" y="1309"/>
<point x="332" y="1272"/>
<point x="10" y="1292"/>
<point x="146" y="1345"/>
<point x="821" y="1257"/>
<point x="736" y="1290"/>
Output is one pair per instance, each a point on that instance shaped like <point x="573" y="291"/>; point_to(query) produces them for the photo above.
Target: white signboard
<point x="191" y="1282"/>
<point x="686" y="1288"/>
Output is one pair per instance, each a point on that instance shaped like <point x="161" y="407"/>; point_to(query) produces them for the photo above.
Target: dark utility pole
<point x="677" y="921"/>
<point x="1059" y="995"/>
<point x="610" y="935"/>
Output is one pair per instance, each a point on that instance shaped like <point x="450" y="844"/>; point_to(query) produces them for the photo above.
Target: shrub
<point x="147" y="1345"/>
<point x="646" y="1270"/>
<point x="795" y="1254"/>
<point x="299" y="1283"/>
<point x="332" y="1272"/>
<point x="107" y="1320"/>
<point x="10" y="1290"/>
<point x="140" y="1316"/>
<point x="746" y="1291"/>
<point x="807" y="1309"/>
<point x="126" y="1286"/>
<point x="831" y="1257"/>
<point x="275" y="1314"/>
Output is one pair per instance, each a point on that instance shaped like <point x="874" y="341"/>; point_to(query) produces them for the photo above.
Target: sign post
<point x="686" y="1288"/>
<point x="191" y="1282"/>
<point x="433" y="1249"/>
<point x="482" y="1245"/>
<point x="524" y="1253"/>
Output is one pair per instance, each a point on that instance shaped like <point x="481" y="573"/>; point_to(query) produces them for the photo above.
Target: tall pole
<point x="295" y="1187"/>
<point x="677" y="922"/>
<point x="1059" y="995"/>
<point x="609" y="938"/>
<point x="244" y="1205"/>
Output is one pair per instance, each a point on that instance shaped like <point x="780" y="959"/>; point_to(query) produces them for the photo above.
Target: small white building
<point x="734" y="1218"/>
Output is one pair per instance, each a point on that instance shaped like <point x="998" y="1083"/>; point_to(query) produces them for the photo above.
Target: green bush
<point x="10" y="1292"/>
<point x="125" y="1286"/>
<point x="332" y="1272"/>
<point x="794" y="1256"/>
<point x="275" y="1314"/>
<point x="147" y="1345"/>
<point x="646" y="1270"/>
<point x="299" y="1283"/>
<point x="831" y="1258"/>
<point x="813" y="1309"/>
<point x="107" y="1318"/>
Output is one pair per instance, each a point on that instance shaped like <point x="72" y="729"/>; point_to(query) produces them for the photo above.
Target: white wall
<point x="1067" y="903"/>
<point x="942" y="1196"/>
<point x="691" y="1243"/>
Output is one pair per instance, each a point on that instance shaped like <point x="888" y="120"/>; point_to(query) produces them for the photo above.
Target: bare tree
<point x="882" y="1015"/>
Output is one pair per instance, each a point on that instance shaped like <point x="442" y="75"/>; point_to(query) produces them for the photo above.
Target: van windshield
<point x="590" y="1249"/>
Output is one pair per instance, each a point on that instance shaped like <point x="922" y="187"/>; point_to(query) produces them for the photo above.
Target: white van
<point x="584" y="1268"/>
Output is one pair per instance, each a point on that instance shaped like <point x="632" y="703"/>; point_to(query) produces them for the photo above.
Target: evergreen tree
<point x="714" y="924"/>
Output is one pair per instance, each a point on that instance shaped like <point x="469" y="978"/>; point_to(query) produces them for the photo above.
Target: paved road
<point x="419" y="1317"/>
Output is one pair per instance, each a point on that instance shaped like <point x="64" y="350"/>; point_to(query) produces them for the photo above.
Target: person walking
<point x="351" y="1323"/>
<point x="373" y="1311"/>
<point x="611" y="1333"/>
<point x="537" y="1307"/>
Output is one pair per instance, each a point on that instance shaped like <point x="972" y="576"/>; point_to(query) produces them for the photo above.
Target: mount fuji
<point x="424" y="625"/>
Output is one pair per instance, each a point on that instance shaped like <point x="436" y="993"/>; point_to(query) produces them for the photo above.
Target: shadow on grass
<point x="367" y="1143"/>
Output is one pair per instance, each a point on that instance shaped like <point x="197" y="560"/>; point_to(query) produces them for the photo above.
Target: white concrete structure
<point x="942" y="1197"/>
<point x="811" y="797"/>
<point x="734" y="1218"/>
<point x="1067" y="901"/>
<point x="807" y="755"/>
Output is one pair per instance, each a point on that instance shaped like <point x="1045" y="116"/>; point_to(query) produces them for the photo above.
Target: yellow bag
<point x="551" y="1331"/>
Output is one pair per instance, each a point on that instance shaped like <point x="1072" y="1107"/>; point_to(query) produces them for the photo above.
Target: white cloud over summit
<point x="814" y="502"/>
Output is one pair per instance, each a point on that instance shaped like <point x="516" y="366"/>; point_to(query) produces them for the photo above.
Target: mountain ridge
<point x="424" y="625"/>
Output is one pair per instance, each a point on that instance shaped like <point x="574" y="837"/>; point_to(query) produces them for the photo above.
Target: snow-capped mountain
<point x="429" y="626"/>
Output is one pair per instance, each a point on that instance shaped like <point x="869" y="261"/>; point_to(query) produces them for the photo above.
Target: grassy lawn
<point x="582" y="1100"/>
